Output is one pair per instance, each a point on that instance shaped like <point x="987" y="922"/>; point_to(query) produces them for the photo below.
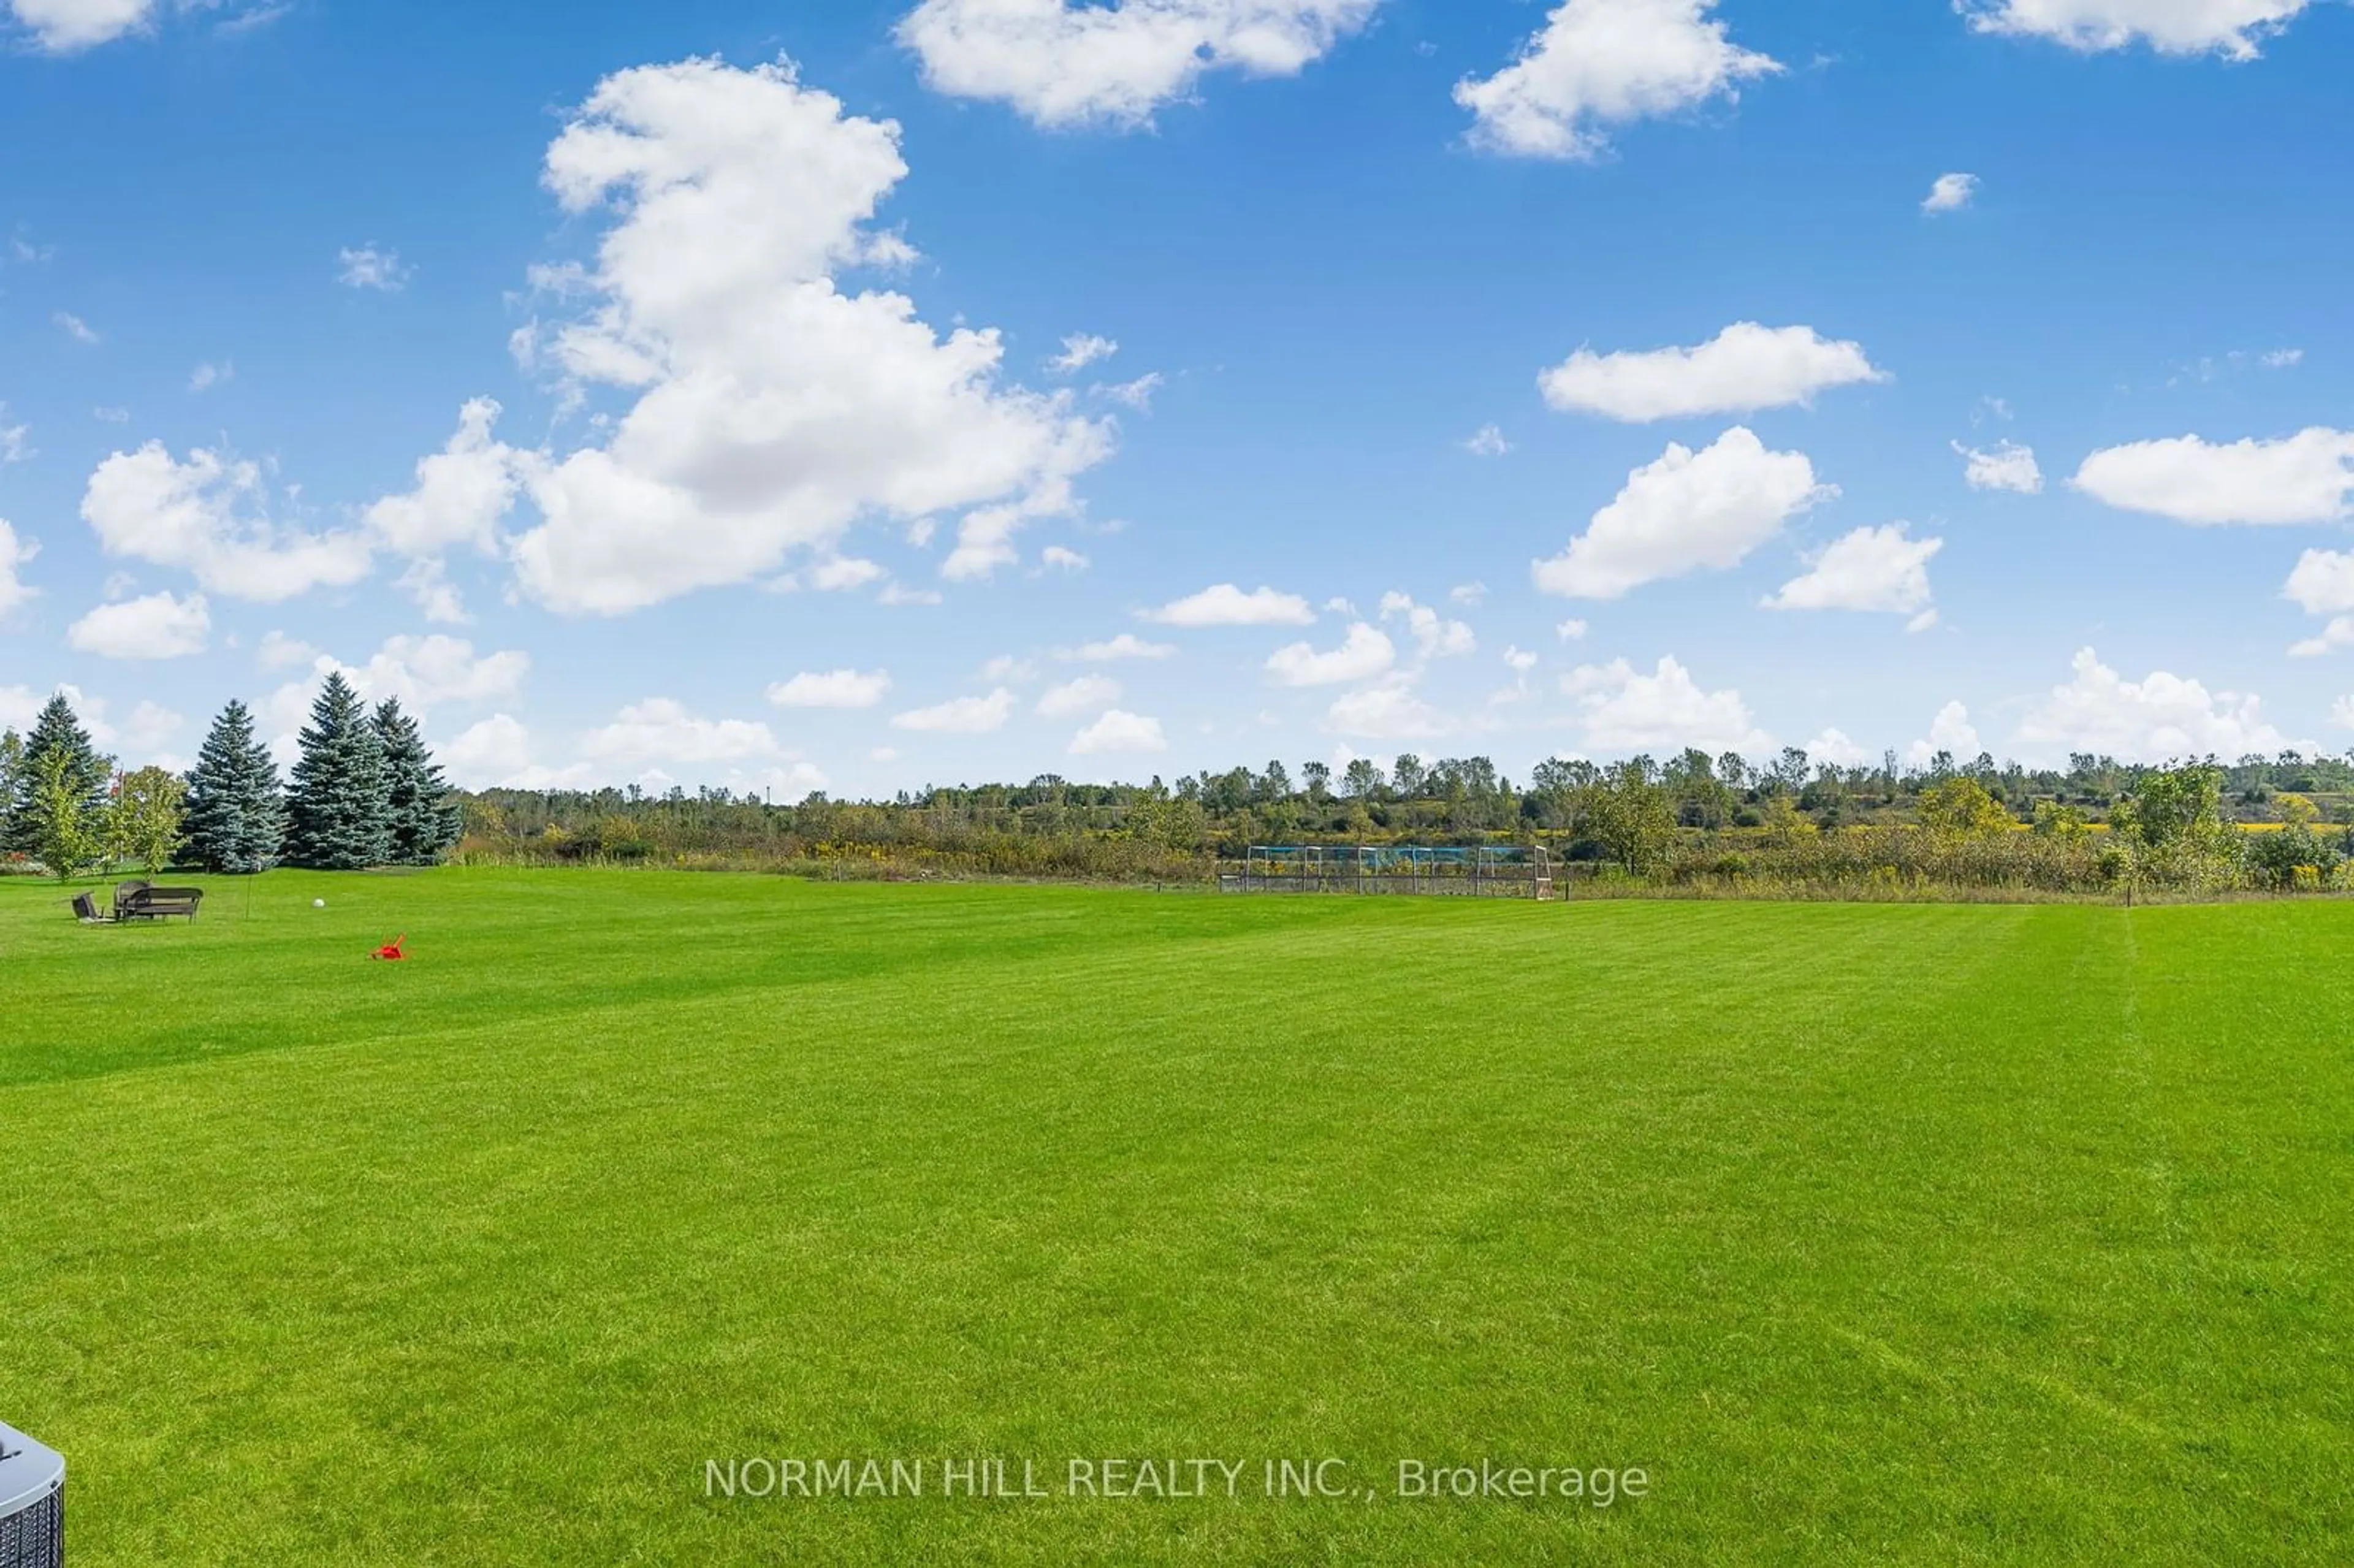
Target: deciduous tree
<point x="63" y="830"/>
<point x="1958" y="808"/>
<point x="1633" y="819"/>
<point x="2172" y="808"/>
<point x="145" y="818"/>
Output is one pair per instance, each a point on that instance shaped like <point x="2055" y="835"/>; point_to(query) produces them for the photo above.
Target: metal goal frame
<point x="1468" y="870"/>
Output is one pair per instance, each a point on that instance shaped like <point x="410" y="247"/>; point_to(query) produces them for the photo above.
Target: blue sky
<point x="1618" y="375"/>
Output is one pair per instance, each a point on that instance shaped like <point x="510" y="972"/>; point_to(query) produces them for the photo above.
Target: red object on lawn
<point x="391" y="949"/>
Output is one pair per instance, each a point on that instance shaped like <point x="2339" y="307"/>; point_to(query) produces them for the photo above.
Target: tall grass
<point x="1873" y="864"/>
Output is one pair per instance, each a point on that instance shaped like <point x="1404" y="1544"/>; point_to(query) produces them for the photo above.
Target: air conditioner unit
<point x="32" y="1502"/>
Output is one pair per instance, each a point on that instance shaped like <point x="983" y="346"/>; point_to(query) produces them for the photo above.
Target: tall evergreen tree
<point x="425" y="820"/>
<point x="236" y="819"/>
<point x="339" y="817"/>
<point x="13" y="773"/>
<point x="57" y="732"/>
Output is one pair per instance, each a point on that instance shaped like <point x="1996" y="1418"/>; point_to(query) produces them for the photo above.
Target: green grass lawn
<point x="1870" y="1233"/>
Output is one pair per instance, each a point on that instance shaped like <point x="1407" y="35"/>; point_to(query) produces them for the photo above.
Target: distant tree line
<point x="364" y="792"/>
<point x="367" y="792"/>
<point x="1696" y="822"/>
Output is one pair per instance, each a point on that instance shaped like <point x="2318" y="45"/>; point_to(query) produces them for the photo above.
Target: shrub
<point x="2290" y="859"/>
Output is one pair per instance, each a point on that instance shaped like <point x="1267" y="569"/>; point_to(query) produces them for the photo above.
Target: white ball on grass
<point x="318" y="903"/>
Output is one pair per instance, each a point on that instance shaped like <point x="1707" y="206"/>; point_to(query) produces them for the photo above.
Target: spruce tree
<point x="13" y="773"/>
<point x="57" y="732"/>
<point x="425" y="821"/>
<point x="338" y="816"/>
<point x="235" y="815"/>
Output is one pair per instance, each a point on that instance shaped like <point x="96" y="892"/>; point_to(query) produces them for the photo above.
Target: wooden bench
<point x="159" y="903"/>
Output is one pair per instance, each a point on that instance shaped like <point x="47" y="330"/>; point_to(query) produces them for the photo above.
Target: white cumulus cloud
<point x="18" y="706"/>
<point x="421" y="672"/>
<point x="1950" y="732"/>
<point x="63" y="26"/>
<point x="1834" y="746"/>
<point x="1008" y="667"/>
<point x="1388" y="710"/>
<point x="664" y="733"/>
<point x="1119" y="732"/>
<point x="2006" y="466"/>
<point x="208" y="516"/>
<point x="2322" y="583"/>
<point x="2231" y="28"/>
<point x="1434" y="636"/>
<point x="1688" y="512"/>
<point x="831" y="689"/>
<point x="1950" y="192"/>
<point x="1884" y="570"/>
<point x="425" y="671"/>
<point x="1744" y="367"/>
<point x="160" y="626"/>
<point x="1127" y="645"/>
<point x="494" y="752"/>
<point x="2303" y="478"/>
<point x="279" y="651"/>
<point x="961" y="715"/>
<point x="774" y="409"/>
<point x="1227" y="604"/>
<point x="1080" y="351"/>
<point x="1487" y="441"/>
<point x="1084" y="696"/>
<point x="2298" y="479"/>
<point x="1600" y="63"/>
<point x="1365" y="653"/>
<point x="2160" y="717"/>
<point x="15" y="553"/>
<point x="462" y="493"/>
<point x="840" y="574"/>
<point x="2338" y="633"/>
<point x="68" y="26"/>
<point x="145" y="736"/>
<point x="139" y="737"/>
<point x="1624" y="710"/>
<point x="1061" y="64"/>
